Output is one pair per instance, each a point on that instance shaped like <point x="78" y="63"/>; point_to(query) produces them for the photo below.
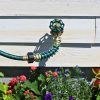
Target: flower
<point x="9" y="92"/>
<point x="57" y="69"/>
<point x="33" y="68"/>
<point x="48" y="96"/>
<point x="47" y="74"/>
<point x="55" y="74"/>
<point x="22" y="78"/>
<point x="96" y="70"/>
<point x="50" y="72"/>
<point x="77" y="66"/>
<point x="26" y="92"/>
<point x="96" y="83"/>
<point x="67" y="73"/>
<point x="32" y="95"/>
<point x="66" y="70"/>
<point x="71" y="98"/>
<point x="13" y="81"/>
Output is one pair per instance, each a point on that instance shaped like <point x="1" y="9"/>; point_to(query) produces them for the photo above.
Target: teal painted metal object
<point x="50" y="52"/>
<point x="57" y="27"/>
<point x="11" y="56"/>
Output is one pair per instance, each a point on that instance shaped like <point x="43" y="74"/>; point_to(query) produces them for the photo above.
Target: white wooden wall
<point x="50" y="7"/>
<point x="24" y="22"/>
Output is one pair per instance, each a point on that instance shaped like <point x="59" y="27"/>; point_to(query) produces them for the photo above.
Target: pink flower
<point x="26" y="92"/>
<point x="22" y="78"/>
<point x="47" y="74"/>
<point x="33" y="68"/>
<point x="96" y="83"/>
<point x="13" y="82"/>
<point x="32" y="96"/>
<point x="55" y="74"/>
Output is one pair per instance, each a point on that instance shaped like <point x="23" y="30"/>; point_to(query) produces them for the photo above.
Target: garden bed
<point x="56" y="84"/>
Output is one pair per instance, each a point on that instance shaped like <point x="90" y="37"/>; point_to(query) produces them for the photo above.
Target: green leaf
<point x="17" y="86"/>
<point x="5" y="97"/>
<point x="1" y="74"/>
<point x="99" y="86"/>
<point x="27" y="97"/>
<point x="38" y="98"/>
<point x="27" y="84"/>
<point x="98" y="97"/>
<point x="62" y="70"/>
<point x="3" y="87"/>
<point x="48" y="79"/>
<point x="34" y="87"/>
<point x="41" y="78"/>
<point x="16" y="96"/>
<point x="8" y="97"/>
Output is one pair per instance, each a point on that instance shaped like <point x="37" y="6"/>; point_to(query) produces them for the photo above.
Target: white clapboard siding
<point x="5" y="80"/>
<point x="97" y="39"/>
<point x="23" y="31"/>
<point x="50" y="7"/>
<point x="31" y="30"/>
<point x="66" y="56"/>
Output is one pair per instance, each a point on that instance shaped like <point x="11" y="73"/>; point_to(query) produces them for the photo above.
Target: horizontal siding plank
<point x="31" y="30"/>
<point x="66" y="56"/>
<point x="49" y="7"/>
<point x="97" y="38"/>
